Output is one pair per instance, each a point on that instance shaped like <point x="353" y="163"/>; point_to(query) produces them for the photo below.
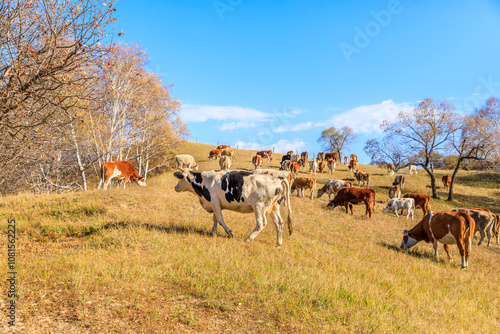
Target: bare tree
<point x="334" y="140"/>
<point x="387" y="151"/>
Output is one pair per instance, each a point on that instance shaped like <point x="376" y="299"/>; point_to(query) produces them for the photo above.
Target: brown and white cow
<point x="349" y="196"/>
<point x="446" y="181"/>
<point x="294" y="169"/>
<point x="221" y="147"/>
<point x="485" y="222"/>
<point x="228" y="152"/>
<point x="225" y="162"/>
<point x="121" y="170"/>
<point x="390" y="168"/>
<point x="332" y="155"/>
<point x="331" y="165"/>
<point x="302" y="163"/>
<point x="422" y="201"/>
<point x="321" y="156"/>
<point x="394" y="192"/>
<point x="313" y="166"/>
<point x="214" y="154"/>
<point x="354" y="157"/>
<point x="257" y="161"/>
<point x="321" y="166"/>
<point x="399" y="180"/>
<point x="301" y="183"/>
<point x="362" y="176"/>
<point x="289" y="152"/>
<point x="286" y="165"/>
<point x="448" y="228"/>
<point x="352" y="165"/>
<point x="266" y="155"/>
<point x="333" y="187"/>
<point x="304" y="156"/>
<point x="346" y="160"/>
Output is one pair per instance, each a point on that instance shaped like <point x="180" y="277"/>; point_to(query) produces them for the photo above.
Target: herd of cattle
<point x="264" y="190"/>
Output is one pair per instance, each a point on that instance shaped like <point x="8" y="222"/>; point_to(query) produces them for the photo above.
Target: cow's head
<point x="333" y="204"/>
<point x="140" y="181"/>
<point x="322" y="191"/>
<point x="408" y="240"/>
<point x="388" y="207"/>
<point x="184" y="183"/>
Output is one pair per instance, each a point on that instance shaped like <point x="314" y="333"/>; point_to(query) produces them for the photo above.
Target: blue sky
<point x="263" y="74"/>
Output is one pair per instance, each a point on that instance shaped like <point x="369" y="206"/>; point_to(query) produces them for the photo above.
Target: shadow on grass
<point x="415" y="253"/>
<point x="482" y="180"/>
<point x="463" y="200"/>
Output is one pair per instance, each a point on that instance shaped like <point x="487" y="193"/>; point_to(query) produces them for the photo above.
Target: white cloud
<point x="282" y="146"/>
<point x="202" y="113"/>
<point x="237" y="125"/>
<point x="296" y="127"/>
<point x="367" y="119"/>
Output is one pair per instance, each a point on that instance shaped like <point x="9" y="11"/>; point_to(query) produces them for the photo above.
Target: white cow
<point x="395" y="204"/>
<point x="313" y="166"/>
<point x="185" y="161"/>
<point x="333" y="187"/>
<point x="225" y="162"/>
<point x="241" y="192"/>
<point x="413" y="169"/>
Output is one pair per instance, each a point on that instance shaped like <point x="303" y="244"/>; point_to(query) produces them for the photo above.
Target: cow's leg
<point x="368" y="209"/>
<point x="303" y="191"/>
<point x="260" y="217"/>
<point x="489" y="238"/>
<point x="396" y="211"/>
<point x="278" y="222"/>
<point x="463" y="254"/>
<point x="435" y="245"/>
<point x="447" y="250"/>
<point x="214" y="228"/>
<point x="346" y="204"/>
<point x="220" y="219"/>
<point x="483" y="235"/>
<point x="312" y="195"/>
<point x="408" y="210"/>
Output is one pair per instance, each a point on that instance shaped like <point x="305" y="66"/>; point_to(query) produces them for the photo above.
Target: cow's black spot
<point x="234" y="183"/>
<point x="206" y="194"/>
<point x="198" y="178"/>
<point x="277" y="192"/>
<point x="286" y="157"/>
<point x="201" y="191"/>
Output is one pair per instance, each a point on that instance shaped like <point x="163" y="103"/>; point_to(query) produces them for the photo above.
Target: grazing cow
<point x="352" y="165"/>
<point x="333" y="187"/>
<point x="221" y="147"/>
<point x="301" y="183"/>
<point x="321" y="166"/>
<point x="214" y="154"/>
<point x="225" y="162"/>
<point x="331" y="165"/>
<point x="285" y="158"/>
<point x="396" y="204"/>
<point x="289" y="153"/>
<point x="304" y="155"/>
<point x="257" y="161"/>
<point x="349" y="196"/>
<point x="286" y="165"/>
<point x="295" y="158"/>
<point x="446" y="181"/>
<point x="422" y="201"/>
<point x="485" y="222"/>
<point x="294" y="169"/>
<point x="346" y="160"/>
<point x="266" y="154"/>
<point x="446" y="227"/>
<point x="321" y="156"/>
<point x="391" y="169"/>
<point x="185" y="161"/>
<point x="394" y="192"/>
<point x="313" y="166"/>
<point x="354" y="157"/>
<point x="332" y="155"/>
<point x="413" y="169"/>
<point x="399" y="180"/>
<point x="362" y="176"/>
<point x="121" y="170"/>
<point x="302" y="163"/>
<point x="228" y="152"/>
<point x="241" y="192"/>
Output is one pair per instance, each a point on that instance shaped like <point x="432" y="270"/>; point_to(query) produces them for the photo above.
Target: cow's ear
<point x="179" y="175"/>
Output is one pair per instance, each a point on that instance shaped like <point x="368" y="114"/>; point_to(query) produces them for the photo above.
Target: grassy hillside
<point x="141" y="260"/>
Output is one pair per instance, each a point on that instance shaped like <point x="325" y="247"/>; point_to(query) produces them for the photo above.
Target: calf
<point x="121" y="170"/>
<point x="214" y="154"/>
<point x="294" y="168"/>
<point x="394" y="192"/>
<point x="399" y="180"/>
<point x="285" y="165"/>
<point x="354" y="157"/>
<point x="321" y="166"/>
<point x="346" y="160"/>
<point x="446" y="227"/>
<point x="349" y="196"/>
<point x="446" y="181"/>
<point x="228" y="152"/>
<point x="361" y="176"/>
<point x="396" y="204"/>
<point x="413" y="169"/>
<point x="391" y="169"/>
<point x="321" y="156"/>
<point x="301" y="183"/>
<point x="332" y="156"/>
<point x="422" y="201"/>
<point x="485" y="222"/>
<point x="313" y="166"/>
<point x="266" y="155"/>
<point x="331" y="165"/>
<point x="257" y="161"/>
<point x="333" y="187"/>
<point x="285" y="158"/>
<point x="304" y="155"/>
<point x="352" y="165"/>
<point x="302" y="163"/>
<point x="185" y="161"/>
<point x="241" y="192"/>
<point x="295" y="158"/>
<point x="225" y="162"/>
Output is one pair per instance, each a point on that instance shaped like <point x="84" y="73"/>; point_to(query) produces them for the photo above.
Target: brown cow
<point x="331" y="165"/>
<point x="295" y="168"/>
<point x="304" y="155"/>
<point x="399" y="180"/>
<point x="257" y="161"/>
<point x="362" y="176"/>
<point x="422" y="201"/>
<point x="349" y="196"/>
<point x="353" y="164"/>
<point x="446" y="181"/>
<point x="446" y="227"/>
<point x="391" y="169"/>
<point x="289" y="152"/>
<point x="394" y="192"/>
<point x="346" y="160"/>
<point x="321" y="156"/>
<point x="266" y="154"/>
<point x="321" y="166"/>
<point x="302" y="163"/>
<point x="332" y="155"/>
<point x="301" y="183"/>
<point x="354" y="157"/>
<point x="221" y="147"/>
<point x="228" y="152"/>
<point x="214" y="154"/>
<point x="121" y="170"/>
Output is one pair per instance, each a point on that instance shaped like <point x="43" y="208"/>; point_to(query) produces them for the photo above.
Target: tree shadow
<point x="463" y="200"/>
<point x="482" y="180"/>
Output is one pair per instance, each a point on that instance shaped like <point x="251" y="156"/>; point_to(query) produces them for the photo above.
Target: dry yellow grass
<point x="141" y="260"/>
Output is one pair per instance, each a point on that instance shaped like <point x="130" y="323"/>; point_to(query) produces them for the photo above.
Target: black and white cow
<point x="241" y="192"/>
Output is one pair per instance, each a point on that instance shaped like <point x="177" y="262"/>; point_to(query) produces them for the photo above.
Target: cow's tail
<point x="286" y="188"/>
